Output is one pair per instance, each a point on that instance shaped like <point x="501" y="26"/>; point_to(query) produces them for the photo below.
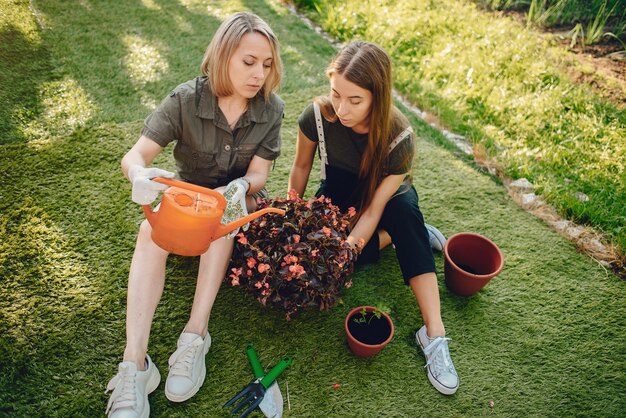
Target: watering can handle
<point x="184" y="185"/>
<point x="151" y="215"/>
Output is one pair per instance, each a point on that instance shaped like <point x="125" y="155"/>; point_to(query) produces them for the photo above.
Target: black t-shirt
<point x="345" y="147"/>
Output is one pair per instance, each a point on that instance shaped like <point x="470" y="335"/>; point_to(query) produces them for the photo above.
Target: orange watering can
<point x="189" y="218"/>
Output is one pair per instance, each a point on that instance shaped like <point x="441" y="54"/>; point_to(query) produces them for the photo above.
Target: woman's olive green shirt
<point x="207" y="151"/>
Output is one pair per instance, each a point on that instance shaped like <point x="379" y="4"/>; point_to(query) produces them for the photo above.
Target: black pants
<point x="402" y="219"/>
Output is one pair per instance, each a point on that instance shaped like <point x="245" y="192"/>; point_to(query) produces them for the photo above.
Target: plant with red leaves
<point x="296" y="261"/>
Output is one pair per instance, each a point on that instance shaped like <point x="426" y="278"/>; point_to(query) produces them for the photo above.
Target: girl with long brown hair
<point x="366" y="146"/>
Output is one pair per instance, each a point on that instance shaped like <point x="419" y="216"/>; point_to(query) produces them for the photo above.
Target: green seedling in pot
<point x="376" y="313"/>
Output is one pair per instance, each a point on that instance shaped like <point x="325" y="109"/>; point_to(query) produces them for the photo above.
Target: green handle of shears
<point x="257" y="369"/>
<point x="276" y="370"/>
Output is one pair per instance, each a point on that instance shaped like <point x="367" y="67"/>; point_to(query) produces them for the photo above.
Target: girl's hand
<point x="236" y="208"/>
<point x="145" y="191"/>
<point x="238" y="187"/>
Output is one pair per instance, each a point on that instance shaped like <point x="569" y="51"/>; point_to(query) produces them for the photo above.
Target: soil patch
<point x="603" y="65"/>
<point x="608" y="60"/>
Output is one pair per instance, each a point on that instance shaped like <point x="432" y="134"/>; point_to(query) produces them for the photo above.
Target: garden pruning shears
<point x="253" y="395"/>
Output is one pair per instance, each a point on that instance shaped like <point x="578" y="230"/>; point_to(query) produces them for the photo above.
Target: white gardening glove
<point x="236" y="208"/>
<point x="145" y="191"/>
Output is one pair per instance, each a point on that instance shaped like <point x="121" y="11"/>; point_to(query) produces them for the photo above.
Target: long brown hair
<point x="368" y="66"/>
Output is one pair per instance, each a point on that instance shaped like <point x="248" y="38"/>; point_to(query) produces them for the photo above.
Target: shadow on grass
<point x="24" y="65"/>
<point x="118" y="70"/>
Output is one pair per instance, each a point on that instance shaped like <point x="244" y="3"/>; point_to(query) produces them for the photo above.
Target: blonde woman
<point x="366" y="147"/>
<point x="226" y="126"/>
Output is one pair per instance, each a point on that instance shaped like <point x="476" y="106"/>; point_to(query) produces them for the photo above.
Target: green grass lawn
<point x="509" y="91"/>
<point x="544" y="338"/>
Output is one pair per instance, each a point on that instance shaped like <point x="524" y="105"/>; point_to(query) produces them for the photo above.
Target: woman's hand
<point x="145" y="191"/>
<point x="134" y="167"/>
<point x="235" y="194"/>
<point x="368" y="222"/>
<point x="238" y="187"/>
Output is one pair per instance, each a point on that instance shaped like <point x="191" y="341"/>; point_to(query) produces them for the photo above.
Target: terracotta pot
<point x="368" y="338"/>
<point x="471" y="260"/>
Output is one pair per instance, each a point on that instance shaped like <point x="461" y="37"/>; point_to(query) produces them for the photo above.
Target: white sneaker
<point x="187" y="368"/>
<point x="436" y="238"/>
<point x="441" y="371"/>
<point x="130" y="390"/>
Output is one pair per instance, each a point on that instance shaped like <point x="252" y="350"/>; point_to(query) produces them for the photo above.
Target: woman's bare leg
<point x="426" y="291"/>
<point x="211" y="273"/>
<point x="145" y="287"/>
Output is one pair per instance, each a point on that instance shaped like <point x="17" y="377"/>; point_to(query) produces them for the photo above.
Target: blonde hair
<point x="223" y="45"/>
<point x="368" y="66"/>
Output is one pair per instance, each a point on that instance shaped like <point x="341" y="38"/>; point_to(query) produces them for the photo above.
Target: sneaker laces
<point x="181" y="361"/>
<point x="124" y="394"/>
<point x="438" y="355"/>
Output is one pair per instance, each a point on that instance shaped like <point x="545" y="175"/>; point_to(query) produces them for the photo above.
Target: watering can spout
<point x="229" y="227"/>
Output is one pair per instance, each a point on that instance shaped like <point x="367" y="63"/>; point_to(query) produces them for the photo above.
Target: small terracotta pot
<point x="366" y="340"/>
<point x="470" y="261"/>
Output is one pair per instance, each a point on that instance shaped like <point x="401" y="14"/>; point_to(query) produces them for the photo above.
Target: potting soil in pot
<point x="372" y="331"/>
<point x="466" y="268"/>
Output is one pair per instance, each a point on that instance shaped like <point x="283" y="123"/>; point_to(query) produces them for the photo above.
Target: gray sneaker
<point x="187" y="367"/>
<point x="440" y="369"/>
<point x="436" y="238"/>
<point x="131" y="388"/>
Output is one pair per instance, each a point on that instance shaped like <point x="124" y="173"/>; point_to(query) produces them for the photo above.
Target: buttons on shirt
<point x="227" y="147"/>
